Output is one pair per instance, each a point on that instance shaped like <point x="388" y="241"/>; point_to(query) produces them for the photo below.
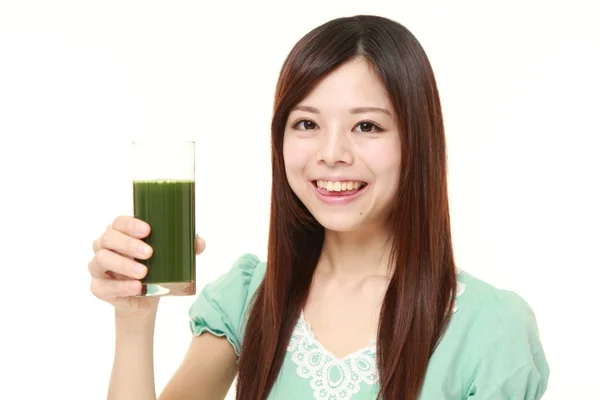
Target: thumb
<point x="200" y="245"/>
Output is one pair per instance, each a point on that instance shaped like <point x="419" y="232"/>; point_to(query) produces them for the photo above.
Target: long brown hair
<point x="417" y="304"/>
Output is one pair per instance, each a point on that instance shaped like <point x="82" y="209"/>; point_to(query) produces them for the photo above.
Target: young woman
<point x="359" y="297"/>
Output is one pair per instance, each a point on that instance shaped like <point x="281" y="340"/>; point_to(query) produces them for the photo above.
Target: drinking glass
<point x="164" y="197"/>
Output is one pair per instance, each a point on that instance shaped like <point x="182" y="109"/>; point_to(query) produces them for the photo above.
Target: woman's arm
<point x="206" y="373"/>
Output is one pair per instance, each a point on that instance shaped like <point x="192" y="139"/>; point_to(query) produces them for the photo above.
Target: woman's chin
<point x="340" y="223"/>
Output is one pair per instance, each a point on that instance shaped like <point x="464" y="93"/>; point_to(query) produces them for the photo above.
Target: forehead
<point x="353" y="84"/>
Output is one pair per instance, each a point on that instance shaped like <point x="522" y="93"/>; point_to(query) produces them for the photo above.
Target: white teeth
<point x="339" y="186"/>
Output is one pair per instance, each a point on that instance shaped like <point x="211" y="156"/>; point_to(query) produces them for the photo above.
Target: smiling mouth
<point x="341" y="189"/>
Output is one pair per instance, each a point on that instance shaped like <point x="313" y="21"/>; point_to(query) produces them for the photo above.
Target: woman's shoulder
<point x="494" y="341"/>
<point x="499" y="306"/>
<point x="221" y="306"/>
<point x="246" y="272"/>
<point x="239" y="282"/>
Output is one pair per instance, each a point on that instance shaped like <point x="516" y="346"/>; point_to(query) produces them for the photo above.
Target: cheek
<point x="293" y="160"/>
<point x="385" y="165"/>
<point x="296" y="154"/>
<point x="384" y="159"/>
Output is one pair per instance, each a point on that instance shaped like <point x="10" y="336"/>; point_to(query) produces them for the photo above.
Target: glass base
<point x="168" y="289"/>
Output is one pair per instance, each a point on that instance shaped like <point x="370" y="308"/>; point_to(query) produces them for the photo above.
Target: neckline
<point x="369" y="349"/>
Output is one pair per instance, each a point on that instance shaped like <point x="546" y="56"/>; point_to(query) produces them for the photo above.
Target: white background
<point x="80" y="79"/>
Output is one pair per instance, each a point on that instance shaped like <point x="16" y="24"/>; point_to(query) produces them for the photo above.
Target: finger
<point x="110" y="289"/>
<point x="139" y="231"/>
<point x="200" y="244"/>
<point x="128" y="246"/>
<point x="131" y="226"/>
<point x="114" y="275"/>
<point x="109" y="261"/>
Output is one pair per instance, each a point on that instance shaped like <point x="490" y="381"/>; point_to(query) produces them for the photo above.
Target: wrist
<point x="128" y="321"/>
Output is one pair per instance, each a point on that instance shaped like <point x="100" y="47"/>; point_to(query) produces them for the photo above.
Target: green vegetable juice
<point x="168" y="207"/>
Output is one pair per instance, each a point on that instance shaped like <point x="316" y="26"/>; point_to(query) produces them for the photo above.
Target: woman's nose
<point x="335" y="148"/>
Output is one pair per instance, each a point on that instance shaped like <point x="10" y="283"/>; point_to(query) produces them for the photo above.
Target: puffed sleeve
<point x="513" y="366"/>
<point x="220" y="306"/>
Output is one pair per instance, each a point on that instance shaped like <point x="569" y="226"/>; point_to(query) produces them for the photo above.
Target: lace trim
<point x="333" y="378"/>
<point x="460" y="289"/>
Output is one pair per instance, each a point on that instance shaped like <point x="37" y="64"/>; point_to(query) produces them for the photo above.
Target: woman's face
<point x="342" y="150"/>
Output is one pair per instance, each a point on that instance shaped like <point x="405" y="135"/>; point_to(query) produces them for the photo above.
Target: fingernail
<point x="144" y="249"/>
<point x="140" y="270"/>
<point x="142" y="229"/>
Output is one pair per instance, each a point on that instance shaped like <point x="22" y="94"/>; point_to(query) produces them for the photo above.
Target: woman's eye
<point x="367" y="127"/>
<point x="305" y="125"/>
